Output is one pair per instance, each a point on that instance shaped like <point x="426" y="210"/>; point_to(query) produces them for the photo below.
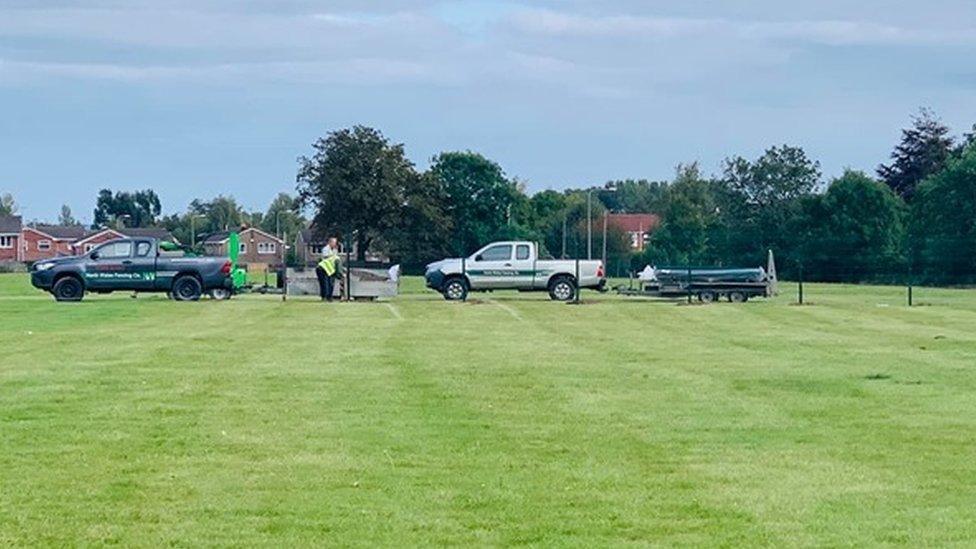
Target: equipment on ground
<point x="707" y="285"/>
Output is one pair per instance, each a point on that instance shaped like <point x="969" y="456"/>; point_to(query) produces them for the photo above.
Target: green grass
<point x="508" y="420"/>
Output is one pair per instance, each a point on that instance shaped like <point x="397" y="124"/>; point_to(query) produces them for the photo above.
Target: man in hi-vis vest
<point x="328" y="269"/>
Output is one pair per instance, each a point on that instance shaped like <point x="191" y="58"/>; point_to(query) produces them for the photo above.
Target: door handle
<point x="508" y="264"/>
<point x="127" y="262"/>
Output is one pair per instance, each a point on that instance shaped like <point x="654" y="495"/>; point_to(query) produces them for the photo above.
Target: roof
<point x="222" y="236"/>
<point x="634" y="223"/>
<point x="147" y="232"/>
<point x="62" y="232"/>
<point x="10" y="223"/>
<point x="217" y="237"/>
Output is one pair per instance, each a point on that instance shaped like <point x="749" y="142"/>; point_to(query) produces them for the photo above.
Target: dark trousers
<point x="325" y="284"/>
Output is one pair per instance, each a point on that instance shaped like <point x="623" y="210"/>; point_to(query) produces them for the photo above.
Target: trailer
<point x="707" y="285"/>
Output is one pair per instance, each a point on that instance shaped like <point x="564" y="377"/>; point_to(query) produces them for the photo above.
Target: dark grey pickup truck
<point x="135" y="264"/>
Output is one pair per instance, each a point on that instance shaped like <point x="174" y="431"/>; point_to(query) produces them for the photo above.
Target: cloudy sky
<point x="200" y="97"/>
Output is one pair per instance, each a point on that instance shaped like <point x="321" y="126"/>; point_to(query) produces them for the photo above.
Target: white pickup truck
<point x="513" y="266"/>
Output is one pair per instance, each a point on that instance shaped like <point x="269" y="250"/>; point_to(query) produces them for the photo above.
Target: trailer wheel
<point x="738" y="297"/>
<point x="68" y="288"/>
<point x="706" y="297"/>
<point x="562" y="288"/>
<point x="220" y="294"/>
<point x="455" y="289"/>
<point x="187" y="288"/>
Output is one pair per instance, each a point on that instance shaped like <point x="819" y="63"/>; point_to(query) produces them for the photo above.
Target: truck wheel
<point x="455" y="289"/>
<point x="68" y="288"/>
<point x="706" y="297"/>
<point x="187" y="288"/>
<point x="738" y="297"/>
<point x="220" y="294"/>
<point x="562" y="288"/>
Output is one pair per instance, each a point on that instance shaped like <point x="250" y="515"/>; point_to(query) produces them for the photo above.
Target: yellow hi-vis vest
<point x="328" y="264"/>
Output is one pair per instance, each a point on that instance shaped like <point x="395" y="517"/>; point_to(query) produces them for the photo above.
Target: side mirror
<point x="479" y="257"/>
<point x="94" y="255"/>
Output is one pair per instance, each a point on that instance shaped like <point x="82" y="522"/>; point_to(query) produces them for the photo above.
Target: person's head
<point x="334" y="243"/>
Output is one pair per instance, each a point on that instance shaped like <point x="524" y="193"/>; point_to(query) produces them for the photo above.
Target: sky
<point x="195" y="98"/>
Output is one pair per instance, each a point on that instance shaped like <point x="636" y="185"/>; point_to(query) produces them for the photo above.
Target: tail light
<point x="225" y="269"/>
<point x="600" y="273"/>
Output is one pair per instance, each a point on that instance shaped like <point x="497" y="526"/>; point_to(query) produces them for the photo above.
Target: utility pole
<point x="564" y="235"/>
<point x="605" y="216"/>
<point x="589" y="224"/>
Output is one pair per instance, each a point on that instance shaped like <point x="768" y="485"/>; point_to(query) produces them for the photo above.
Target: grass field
<point x="508" y="420"/>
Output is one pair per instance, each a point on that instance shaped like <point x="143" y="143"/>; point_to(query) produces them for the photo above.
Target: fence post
<point x="800" y="288"/>
<point x="576" y="298"/>
<point x="688" y="282"/>
<point x="348" y="284"/>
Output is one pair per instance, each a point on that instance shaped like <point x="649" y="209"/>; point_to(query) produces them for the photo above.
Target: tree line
<point x="913" y="218"/>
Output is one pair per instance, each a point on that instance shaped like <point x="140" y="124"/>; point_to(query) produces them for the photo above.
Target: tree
<point x="854" y="232"/>
<point x="358" y="183"/>
<point x="763" y="198"/>
<point x="924" y="150"/>
<point x="221" y="213"/>
<point x="284" y="216"/>
<point x="943" y="223"/>
<point x="65" y="218"/>
<point x="480" y="199"/>
<point x="138" y="209"/>
<point x="690" y="216"/>
<point x="7" y="204"/>
<point x="635" y="196"/>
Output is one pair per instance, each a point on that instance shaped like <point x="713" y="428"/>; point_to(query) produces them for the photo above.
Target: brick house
<point x="47" y="241"/>
<point x="93" y="239"/>
<point x="10" y="248"/>
<point x="258" y="249"/>
<point x="637" y="226"/>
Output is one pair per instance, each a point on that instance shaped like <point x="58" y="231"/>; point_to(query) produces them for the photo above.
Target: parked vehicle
<point x="707" y="285"/>
<point x="136" y="265"/>
<point x="513" y="266"/>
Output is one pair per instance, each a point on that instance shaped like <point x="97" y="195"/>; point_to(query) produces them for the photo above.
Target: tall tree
<point x="943" y="223"/>
<point x="690" y="217"/>
<point x="7" y="204"/>
<point x="924" y="150"/>
<point x="221" y="213"/>
<point x="764" y="197"/>
<point x="138" y="209"/>
<point x="358" y="183"/>
<point x="854" y="232"/>
<point x="65" y="218"/>
<point x="480" y="199"/>
<point x="284" y="216"/>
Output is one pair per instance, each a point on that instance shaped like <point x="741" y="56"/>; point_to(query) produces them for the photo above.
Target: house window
<point x="6" y="242"/>
<point x="43" y="245"/>
<point x="243" y="248"/>
<point x="266" y="247"/>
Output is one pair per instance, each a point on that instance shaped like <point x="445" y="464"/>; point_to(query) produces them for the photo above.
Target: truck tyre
<point x="68" y="288"/>
<point x="455" y="289"/>
<point x="187" y="288"/>
<point x="220" y="294"/>
<point x="706" y="297"/>
<point x="738" y="297"/>
<point x="562" y="288"/>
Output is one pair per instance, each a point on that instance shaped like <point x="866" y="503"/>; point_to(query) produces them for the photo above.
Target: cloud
<point x="827" y="32"/>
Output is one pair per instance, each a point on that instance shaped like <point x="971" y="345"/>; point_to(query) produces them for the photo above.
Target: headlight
<point x="43" y="266"/>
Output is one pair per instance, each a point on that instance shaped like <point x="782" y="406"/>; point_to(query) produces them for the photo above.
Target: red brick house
<point x="257" y="248"/>
<point x="93" y="239"/>
<point x="46" y="241"/>
<point x="10" y="248"/>
<point x="637" y="226"/>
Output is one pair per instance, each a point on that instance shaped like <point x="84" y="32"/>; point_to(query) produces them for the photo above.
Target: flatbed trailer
<point x="706" y="292"/>
<point x="707" y="285"/>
